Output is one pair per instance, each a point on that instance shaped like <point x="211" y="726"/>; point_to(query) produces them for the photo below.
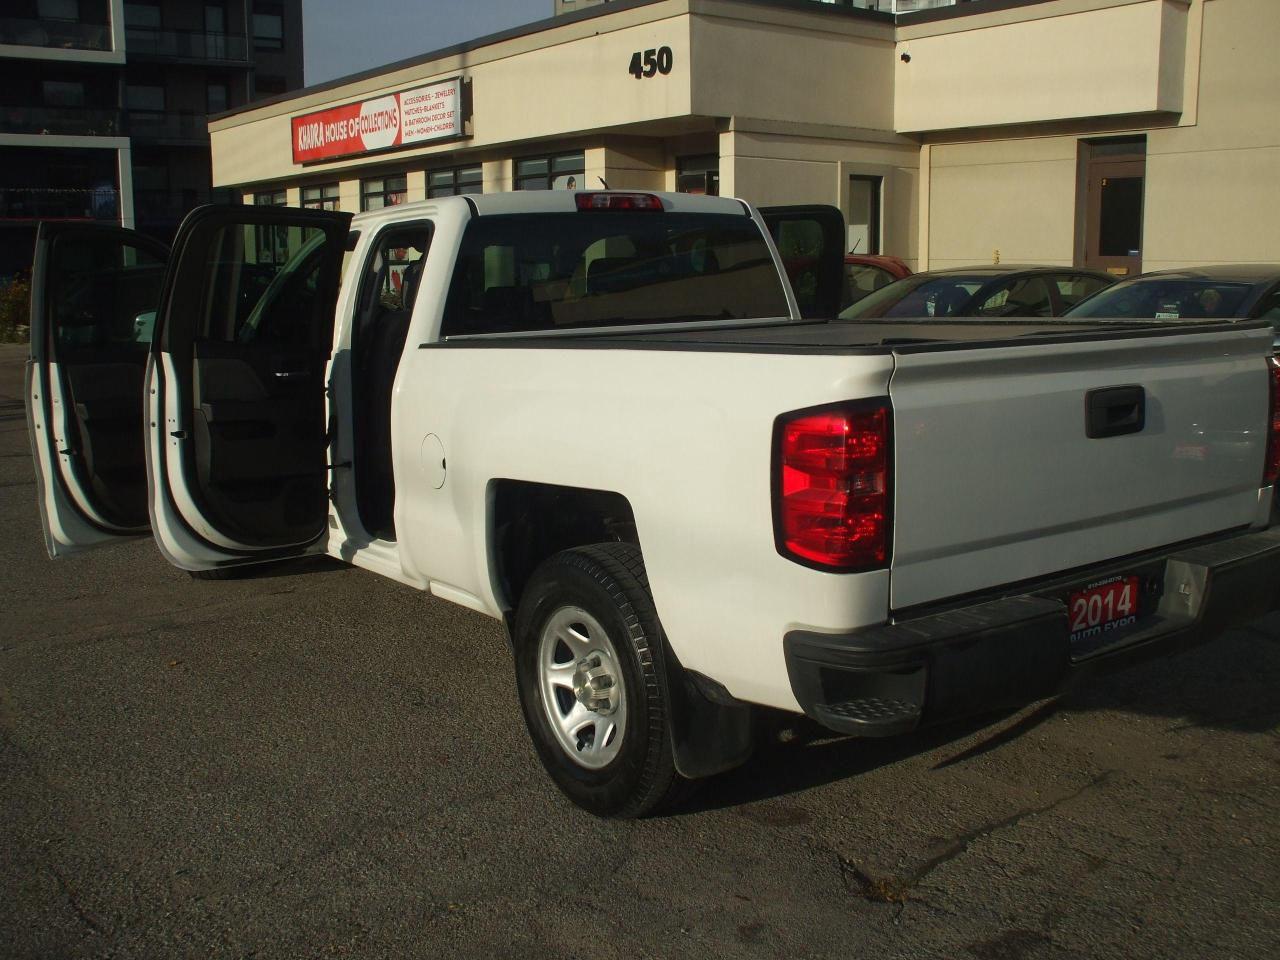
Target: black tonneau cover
<point x="844" y="336"/>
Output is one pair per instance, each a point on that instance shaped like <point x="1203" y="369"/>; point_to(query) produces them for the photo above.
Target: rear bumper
<point x="1007" y="652"/>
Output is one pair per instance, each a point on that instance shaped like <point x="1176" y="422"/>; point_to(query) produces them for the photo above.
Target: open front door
<point x="810" y="240"/>
<point x="237" y="449"/>
<point x="94" y="293"/>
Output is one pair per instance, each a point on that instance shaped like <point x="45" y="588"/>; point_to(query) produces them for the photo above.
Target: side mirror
<point x="144" y="325"/>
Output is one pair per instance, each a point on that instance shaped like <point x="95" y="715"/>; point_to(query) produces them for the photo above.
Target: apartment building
<point x="104" y="105"/>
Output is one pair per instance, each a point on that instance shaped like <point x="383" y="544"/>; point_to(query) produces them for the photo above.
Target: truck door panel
<point x="246" y="330"/>
<point x="95" y="290"/>
<point x="810" y="239"/>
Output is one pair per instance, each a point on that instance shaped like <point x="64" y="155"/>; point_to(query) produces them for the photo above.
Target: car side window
<point x="1024" y="297"/>
<point x="108" y="296"/>
<point x="391" y="275"/>
<point x="861" y="279"/>
<point x="1073" y="289"/>
<point x="265" y="285"/>
<point x="1269" y="309"/>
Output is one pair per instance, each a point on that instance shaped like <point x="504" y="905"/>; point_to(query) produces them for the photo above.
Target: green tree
<point x="15" y="297"/>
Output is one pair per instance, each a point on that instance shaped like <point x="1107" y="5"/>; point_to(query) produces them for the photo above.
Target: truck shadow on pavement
<point x="1225" y="684"/>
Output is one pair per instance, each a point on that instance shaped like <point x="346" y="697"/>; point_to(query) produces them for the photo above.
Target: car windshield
<point x="1165" y="299"/>
<point x="918" y="296"/>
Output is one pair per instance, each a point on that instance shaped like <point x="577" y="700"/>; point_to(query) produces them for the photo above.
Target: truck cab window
<point x="564" y="271"/>
<point x="388" y="290"/>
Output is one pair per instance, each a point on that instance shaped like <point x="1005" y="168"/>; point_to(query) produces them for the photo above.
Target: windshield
<point x="1161" y="299"/>
<point x="918" y="296"/>
<point x="531" y="272"/>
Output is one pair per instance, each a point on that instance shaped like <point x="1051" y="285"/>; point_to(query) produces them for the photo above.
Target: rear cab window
<point x="560" y="271"/>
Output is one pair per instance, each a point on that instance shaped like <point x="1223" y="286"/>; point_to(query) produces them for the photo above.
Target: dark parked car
<point x="1241" y="292"/>
<point x="991" y="291"/>
<point x="866" y="273"/>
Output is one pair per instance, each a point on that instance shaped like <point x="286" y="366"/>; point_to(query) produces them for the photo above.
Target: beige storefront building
<point x="1127" y="134"/>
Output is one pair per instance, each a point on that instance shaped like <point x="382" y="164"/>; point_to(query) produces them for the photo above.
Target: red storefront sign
<point x="420" y="115"/>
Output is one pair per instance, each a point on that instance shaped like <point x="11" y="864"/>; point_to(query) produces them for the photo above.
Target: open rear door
<point x="94" y="293"/>
<point x="237" y="449"/>
<point x="810" y="240"/>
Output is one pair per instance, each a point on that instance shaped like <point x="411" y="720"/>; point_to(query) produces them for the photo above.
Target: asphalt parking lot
<point x="317" y="762"/>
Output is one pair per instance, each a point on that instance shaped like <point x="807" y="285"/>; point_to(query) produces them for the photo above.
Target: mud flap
<point x="710" y="731"/>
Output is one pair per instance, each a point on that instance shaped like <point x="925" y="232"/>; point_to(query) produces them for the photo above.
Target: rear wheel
<point x="589" y="669"/>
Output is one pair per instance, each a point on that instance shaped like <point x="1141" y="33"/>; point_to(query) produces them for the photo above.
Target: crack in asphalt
<point x="894" y="889"/>
<point x="67" y="892"/>
<point x="961" y="843"/>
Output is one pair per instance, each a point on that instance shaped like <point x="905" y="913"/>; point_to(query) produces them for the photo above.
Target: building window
<point x="864" y="215"/>
<point x="217" y="98"/>
<point x="455" y="182"/>
<point x="271" y="198"/>
<point x="58" y="9"/>
<point x="215" y="18"/>
<point x="564" y="172"/>
<point x="699" y="175"/>
<point x="268" y="85"/>
<point x="146" y="97"/>
<point x="385" y="192"/>
<point x="268" y="27"/>
<point x="139" y="13"/>
<point x="323" y="196"/>
<point x="63" y="93"/>
<point x="150" y="178"/>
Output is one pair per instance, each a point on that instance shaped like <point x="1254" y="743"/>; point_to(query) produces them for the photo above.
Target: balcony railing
<point x="170" y="206"/>
<point x="65" y="34"/>
<point x="186" y="44"/>
<point x="51" y="203"/>
<point x="68" y="121"/>
<point x="105" y="122"/>
<point x="147" y="125"/>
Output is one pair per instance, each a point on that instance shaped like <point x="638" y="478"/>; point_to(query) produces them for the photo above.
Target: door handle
<point x="1115" y="411"/>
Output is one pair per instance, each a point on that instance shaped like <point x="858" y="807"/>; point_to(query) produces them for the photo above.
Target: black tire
<point x="609" y="582"/>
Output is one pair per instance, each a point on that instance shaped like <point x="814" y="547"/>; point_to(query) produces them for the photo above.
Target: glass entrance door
<point x="1115" y="180"/>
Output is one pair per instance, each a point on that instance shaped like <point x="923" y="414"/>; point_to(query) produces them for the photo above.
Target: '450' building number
<point x="651" y="62"/>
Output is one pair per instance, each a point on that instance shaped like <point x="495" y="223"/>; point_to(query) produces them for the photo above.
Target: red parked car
<point x="866" y="273"/>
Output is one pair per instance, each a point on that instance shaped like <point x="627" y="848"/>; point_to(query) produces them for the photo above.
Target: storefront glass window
<point x="699" y="175"/>
<point x="864" y="215"/>
<point x="384" y="192"/>
<point x="272" y="198"/>
<point x="565" y="171"/>
<point x="452" y="183"/>
<point x="321" y="197"/>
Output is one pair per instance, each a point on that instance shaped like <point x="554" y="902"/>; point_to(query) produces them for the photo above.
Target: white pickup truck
<point x="604" y="418"/>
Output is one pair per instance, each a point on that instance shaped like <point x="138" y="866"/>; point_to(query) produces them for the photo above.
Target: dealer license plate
<point x="1103" y="608"/>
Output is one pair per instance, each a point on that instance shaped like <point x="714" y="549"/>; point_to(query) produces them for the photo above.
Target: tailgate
<point x="996" y="480"/>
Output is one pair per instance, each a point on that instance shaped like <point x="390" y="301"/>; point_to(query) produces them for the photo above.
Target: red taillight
<point x="1271" y="470"/>
<point x="832" y="487"/>
<point x="618" y="201"/>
